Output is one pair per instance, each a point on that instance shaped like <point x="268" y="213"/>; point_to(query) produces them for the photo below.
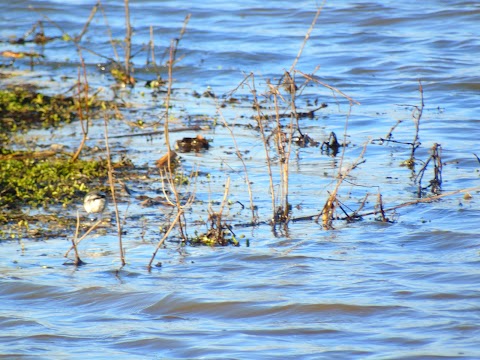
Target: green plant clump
<point x="45" y="182"/>
<point x="21" y="108"/>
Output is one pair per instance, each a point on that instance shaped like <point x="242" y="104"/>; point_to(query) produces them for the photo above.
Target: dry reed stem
<point x="167" y="138"/>
<point x="256" y="103"/>
<point x="110" y="36"/>
<point x="182" y="32"/>
<point x="307" y="35"/>
<point x="112" y="190"/>
<point x="216" y="231"/>
<point x="93" y="227"/>
<point x="78" y="261"/>
<point x="436" y="182"/>
<point x="362" y="205"/>
<point x="344" y="147"/>
<point x="417" y="115"/>
<point x="332" y="88"/>
<point x="128" y="41"/>
<point x="380" y="208"/>
<point x="332" y="201"/>
<point x="76" y="41"/>
<point x="177" y="41"/>
<point x="82" y="113"/>
<point x="240" y="157"/>
<point x="222" y="205"/>
<point x="160" y="243"/>
<point x="184" y="27"/>
<point x="152" y="47"/>
<point x="171" y="184"/>
<point x="51" y="22"/>
<point x="281" y="142"/>
<point x="167" y="107"/>
<point x="389" y="135"/>
<point x="244" y="82"/>
<point x="417" y="112"/>
<point x="164" y="174"/>
<point x="78" y="38"/>
<point x="423" y="200"/>
<point x="116" y="58"/>
<point x="83" y="122"/>
<point x="293" y="116"/>
<point x="328" y="210"/>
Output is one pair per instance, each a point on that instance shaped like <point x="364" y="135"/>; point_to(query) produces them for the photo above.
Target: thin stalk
<point x="307" y="35"/>
<point x="81" y="110"/>
<point x="417" y="115"/>
<point x="109" y="31"/>
<point x="265" y="144"/>
<point x="332" y="88"/>
<point x="112" y="190"/>
<point x="293" y="116"/>
<point x="128" y="40"/>
<point x="78" y="38"/>
<point x="224" y="201"/>
<point x="152" y="47"/>
<point x="78" y="261"/>
<point x="93" y="227"/>
<point x="240" y="157"/>
<point x="167" y="137"/>
<point x="160" y="243"/>
<point x="284" y="159"/>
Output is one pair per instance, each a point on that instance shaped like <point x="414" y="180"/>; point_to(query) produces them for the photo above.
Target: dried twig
<point x="328" y="211"/>
<point x="78" y="261"/>
<point x="436" y="182"/>
<point x="112" y="190"/>
<point x="240" y="157"/>
<point x="307" y="35"/>
<point x="78" y="38"/>
<point x="160" y="243"/>
<point x="417" y="115"/>
<point x="128" y="42"/>
<point x="380" y="208"/>
<point x="422" y="200"/>
<point x="93" y="227"/>
<point x="334" y="89"/>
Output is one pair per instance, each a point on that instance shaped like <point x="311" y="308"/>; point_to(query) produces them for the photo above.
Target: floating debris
<point x="20" y="55"/>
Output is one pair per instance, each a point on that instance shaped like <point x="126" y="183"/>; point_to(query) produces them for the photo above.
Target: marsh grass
<point x="277" y="116"/>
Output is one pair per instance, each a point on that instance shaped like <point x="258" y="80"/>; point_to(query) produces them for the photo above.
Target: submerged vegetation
<point x="54" y="177"/>
<point x="29" y="181"/>
<point x="23" y="108"/>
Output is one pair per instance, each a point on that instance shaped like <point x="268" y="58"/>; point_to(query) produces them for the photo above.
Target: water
<point x="367" y="290"/>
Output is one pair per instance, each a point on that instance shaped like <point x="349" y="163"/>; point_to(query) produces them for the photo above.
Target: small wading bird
<point x="94" y="203"/>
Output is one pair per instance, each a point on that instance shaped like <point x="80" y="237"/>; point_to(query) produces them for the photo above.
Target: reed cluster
<point x="276" y="117"/>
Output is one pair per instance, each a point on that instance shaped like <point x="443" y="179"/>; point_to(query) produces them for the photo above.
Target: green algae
<point x="22" y="108"/>
<point x="43" y="182"/>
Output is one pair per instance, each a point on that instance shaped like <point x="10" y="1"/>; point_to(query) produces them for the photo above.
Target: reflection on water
<point x="405" y="290"/>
